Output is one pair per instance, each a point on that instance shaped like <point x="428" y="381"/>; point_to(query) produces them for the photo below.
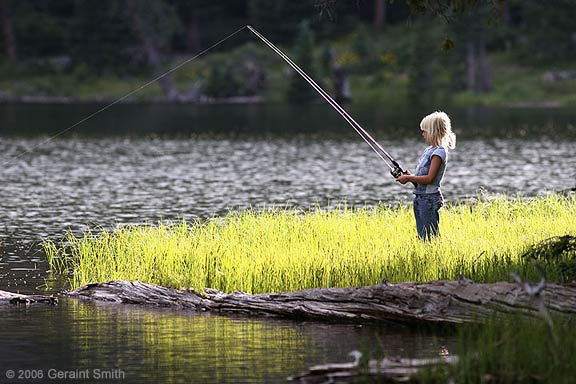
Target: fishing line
<point x="395" y="168"/>
<point x="99" y="111"/>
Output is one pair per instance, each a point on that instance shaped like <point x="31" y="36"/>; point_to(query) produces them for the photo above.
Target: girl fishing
<point x="430" y="170"/>
<point x="437" y="132"/>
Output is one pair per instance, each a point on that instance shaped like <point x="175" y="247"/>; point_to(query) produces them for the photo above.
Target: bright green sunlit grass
<point x="284" y="250"/>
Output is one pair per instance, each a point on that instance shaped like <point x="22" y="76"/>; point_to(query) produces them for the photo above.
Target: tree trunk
<point x="484" y="76"/>
<point x="342" y="93"/>
<point x="8" y="31"/>
<point x="151" y="51"/>
<point x="436" y="302"/>
<point x="379" y="14"/>
<point x="193" y="34"/>
<point x="470" y="67"/>
<point x="504" y="10"/>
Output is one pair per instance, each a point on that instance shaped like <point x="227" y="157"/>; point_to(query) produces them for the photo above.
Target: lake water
<point x="144" y="163"/>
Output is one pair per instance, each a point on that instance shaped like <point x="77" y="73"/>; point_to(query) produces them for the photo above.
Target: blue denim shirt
<point x="424" y="166"/>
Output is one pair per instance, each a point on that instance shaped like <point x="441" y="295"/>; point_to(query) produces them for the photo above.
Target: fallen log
<point x="437" y="301"/>
<point x="18" y="298"/>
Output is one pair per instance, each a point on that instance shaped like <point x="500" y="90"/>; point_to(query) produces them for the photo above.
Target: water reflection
<point x="173" y="346"/>
<point x="278" y="120"/>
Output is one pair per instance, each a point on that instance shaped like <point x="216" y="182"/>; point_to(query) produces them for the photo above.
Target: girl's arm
<point x="424" y="179"/>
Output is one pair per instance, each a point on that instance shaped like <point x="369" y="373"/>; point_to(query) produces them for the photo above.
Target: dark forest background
<point x="487" y="52"/>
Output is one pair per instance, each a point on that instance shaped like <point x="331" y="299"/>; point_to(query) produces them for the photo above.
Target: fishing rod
<point x="395" y="168"/>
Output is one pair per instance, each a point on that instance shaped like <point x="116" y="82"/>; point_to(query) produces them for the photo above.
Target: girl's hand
<point x="403" y="179"/>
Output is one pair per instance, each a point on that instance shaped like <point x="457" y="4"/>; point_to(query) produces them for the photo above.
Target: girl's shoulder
<point x="437" y="150"/>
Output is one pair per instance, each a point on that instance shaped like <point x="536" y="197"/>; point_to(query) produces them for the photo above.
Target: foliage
<point x="546" y="32"/>
<point x="221" y="81"/>
<point x="557" y="253"/>
<point x="102" y="38"/>
<point x="159" y="18"/>
<point x="422" y="54"/>
<point x="287" y="250"/>
<point x="42" y="28"/>
<point x="429" y="80"/>
<point x="242" y="72"/>
<point x="299" y="90"/>
<point x="280" y="19"/>
<point x="362" y="52"/>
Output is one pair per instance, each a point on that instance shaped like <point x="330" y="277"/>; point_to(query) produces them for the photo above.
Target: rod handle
<point x="397" y="171"/>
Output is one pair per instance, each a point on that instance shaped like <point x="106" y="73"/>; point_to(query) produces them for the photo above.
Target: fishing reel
<point x="397" y="170"/>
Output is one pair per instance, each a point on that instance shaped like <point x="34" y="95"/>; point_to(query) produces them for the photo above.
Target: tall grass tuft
<point x="516" y="350"/>
<point x="287" y="250"/>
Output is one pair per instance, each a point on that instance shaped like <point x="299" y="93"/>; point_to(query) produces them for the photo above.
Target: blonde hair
<point x="439" y="129"/>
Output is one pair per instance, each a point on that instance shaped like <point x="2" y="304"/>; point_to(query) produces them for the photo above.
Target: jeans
<point x="426" y="208"/>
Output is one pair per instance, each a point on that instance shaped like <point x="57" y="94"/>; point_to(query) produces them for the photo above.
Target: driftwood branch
<point x="438" y="301"/>
<point x="387" y="370"/>
<point x="17" y="298"/>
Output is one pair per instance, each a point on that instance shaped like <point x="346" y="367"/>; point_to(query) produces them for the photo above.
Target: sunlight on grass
<point x="286" y="250"/>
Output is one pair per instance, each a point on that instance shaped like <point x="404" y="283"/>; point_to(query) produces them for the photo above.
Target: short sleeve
<point x="440" y="152"/>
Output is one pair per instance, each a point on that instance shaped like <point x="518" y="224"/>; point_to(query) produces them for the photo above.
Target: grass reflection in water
<point x="168" y="345"/>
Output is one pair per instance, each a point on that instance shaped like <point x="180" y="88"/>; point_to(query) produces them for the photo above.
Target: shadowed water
<point x="141" y="164"/>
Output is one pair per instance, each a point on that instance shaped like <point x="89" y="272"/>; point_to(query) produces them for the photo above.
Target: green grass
<point x="285" y="250"/>
<point x="517" y="350"/>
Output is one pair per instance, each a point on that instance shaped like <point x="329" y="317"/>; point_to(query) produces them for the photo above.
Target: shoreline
<point x="45" y="100"/>
<point x="248" y="100"/>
